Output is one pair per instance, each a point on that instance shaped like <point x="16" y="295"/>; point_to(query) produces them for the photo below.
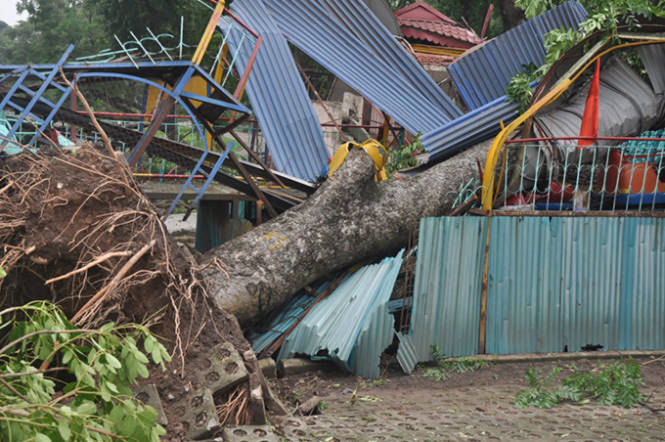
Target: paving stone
<point x="227" y="369"/>
<point x="148" y="395"/>
<point x="247" y="433"/>
<point x="200" y="415"/>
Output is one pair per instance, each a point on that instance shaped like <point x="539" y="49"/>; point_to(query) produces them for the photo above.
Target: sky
<point x="8" y="12"/>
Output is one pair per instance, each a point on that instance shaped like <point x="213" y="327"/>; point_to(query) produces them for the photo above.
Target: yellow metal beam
<point x="207" y="35"/>
<point x="437" y="50"/>
<point x="498" y="145"/>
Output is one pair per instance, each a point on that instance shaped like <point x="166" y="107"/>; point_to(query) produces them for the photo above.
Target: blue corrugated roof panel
<point x="358" y="19"/>
<point x="483" y="74"/>
<point x="288" y="316"/>
<point x="353" y="324"/>
<point x="279" y="99"/>
<point x="475" y="127"/>
<point x="310" y="27"/>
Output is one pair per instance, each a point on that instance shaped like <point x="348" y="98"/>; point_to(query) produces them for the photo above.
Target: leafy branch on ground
<point x="62" y="383"/>
<point x="404" y="157"/>
<point x="447" y="366"/>
<point x="604" y="16"/>
<point x="614" y="384"/>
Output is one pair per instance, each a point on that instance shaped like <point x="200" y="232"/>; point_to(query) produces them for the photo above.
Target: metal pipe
<point x="533" y="140"/>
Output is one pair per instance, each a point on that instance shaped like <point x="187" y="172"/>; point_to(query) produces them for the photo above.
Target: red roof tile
<point x="431" y="31"/>
<point x="423" y="11"/>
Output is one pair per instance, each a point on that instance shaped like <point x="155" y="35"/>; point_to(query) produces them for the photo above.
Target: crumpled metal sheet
<point x="278" y="96"/>
<point x="353" y="324"/>
<point x="313" y="29"/>
<point x="475" y="127"/>
<point x="652" y="57"/>
<point x="483" y="73"/>
<point x="627" y="107"/>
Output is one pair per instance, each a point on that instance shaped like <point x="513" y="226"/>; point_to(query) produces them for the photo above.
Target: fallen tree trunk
<point x="349" y="219"/>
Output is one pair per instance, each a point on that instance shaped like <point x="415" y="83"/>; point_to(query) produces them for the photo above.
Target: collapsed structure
<point x="565" y="252"/>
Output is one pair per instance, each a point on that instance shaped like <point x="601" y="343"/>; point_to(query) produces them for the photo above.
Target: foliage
<point x="61" y="383"/>
<point x="91" y="25"/>
<point x="614" y="384"/>
<point x="446" y="367"/>
<point x="604" y="16"/>
<point x="404" y="157"/>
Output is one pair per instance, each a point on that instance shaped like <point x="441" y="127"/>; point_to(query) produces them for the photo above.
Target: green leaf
<point x="63" y="428"/>
<point x="3" y="273"/>
<point x="40" y="437"/>
<point x="112" y="361"/>
<point x="87" y="407"/>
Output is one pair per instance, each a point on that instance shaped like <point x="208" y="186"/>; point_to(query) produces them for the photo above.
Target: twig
<point x="115" y="281"/>
<point x="97" y="261"/>
<point x="653" y="360"/>
<point x="650" y="408"/>
<point x="98" y="126"/>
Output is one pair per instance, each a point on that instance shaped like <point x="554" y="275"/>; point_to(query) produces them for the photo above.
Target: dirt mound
<point x="76" y="230"/>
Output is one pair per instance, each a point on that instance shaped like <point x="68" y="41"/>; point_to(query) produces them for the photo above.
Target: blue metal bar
<point x="226" y="104"/>
<point x="197" y="170"/>
<point x="50" y="116"/>
<point x="178" y="100"/>
<point x="13" y="89"/>
<point x="45" y="85"/>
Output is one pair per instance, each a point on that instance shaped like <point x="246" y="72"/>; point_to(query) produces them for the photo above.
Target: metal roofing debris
<point x="626" y="102"/>
<point x="279" y="99"/>
<point x="353" y="324"/>
<point x="358" y="19"/>
<point x="406" y="353"/>
<point x="612" y="292"/>
<point x="477" y="126"/>
<point x="652" y="57"/>
<point x="483" y="74"/>
<point x="288" y="316"/>
<point x="310" y="27"/>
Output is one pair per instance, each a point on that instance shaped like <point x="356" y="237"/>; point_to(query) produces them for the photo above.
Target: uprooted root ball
<point x="75" y="229"/>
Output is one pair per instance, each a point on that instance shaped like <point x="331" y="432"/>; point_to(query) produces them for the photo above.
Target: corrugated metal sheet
<point x="563" y="283"/>
<point x="446" y="294"/>
<point x="626" y="103"/>
<point x="358" y="19"/>
<point x="310" y="27"/>
<point x="652" y="57"/>
<point x="555" y="284"/>
<point x="353" y="324"/>
<point x="475" y="127"/>
<point x="290" y="313"/>
<point x="406" y="353"/>
<point x="282" y="322"/>
<point x="482" y="74"/>
<point x="279" y="99"/>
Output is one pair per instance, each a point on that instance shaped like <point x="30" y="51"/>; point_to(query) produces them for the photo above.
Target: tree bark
<point x="349" y="219"/>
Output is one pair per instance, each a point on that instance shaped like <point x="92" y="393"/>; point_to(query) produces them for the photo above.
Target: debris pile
<point x="76" y="230"/>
